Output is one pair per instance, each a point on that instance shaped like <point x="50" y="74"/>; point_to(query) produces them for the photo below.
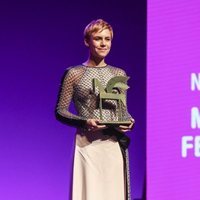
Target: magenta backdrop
<point x="173" y="54"/>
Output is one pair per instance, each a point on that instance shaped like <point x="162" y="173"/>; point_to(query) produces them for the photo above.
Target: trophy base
<point x="115" y="123"/>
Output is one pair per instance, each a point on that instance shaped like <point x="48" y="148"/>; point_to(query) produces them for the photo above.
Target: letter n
<point x="195" y="81"/>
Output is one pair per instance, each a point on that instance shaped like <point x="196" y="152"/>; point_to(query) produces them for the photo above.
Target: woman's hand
<point x="92" y="125"/>
<point x="124" y="128"/>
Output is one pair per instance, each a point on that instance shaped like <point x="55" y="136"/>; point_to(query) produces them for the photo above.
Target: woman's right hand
<point x="92" y="125"/>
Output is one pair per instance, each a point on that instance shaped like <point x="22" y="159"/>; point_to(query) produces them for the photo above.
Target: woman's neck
<point x="94" y="62"/>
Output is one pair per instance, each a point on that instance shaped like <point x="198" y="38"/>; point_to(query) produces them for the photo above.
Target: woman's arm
<point x="64" y="99"/>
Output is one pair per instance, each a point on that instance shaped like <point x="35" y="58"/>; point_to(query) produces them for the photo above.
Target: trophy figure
<point x="117" y="83"/>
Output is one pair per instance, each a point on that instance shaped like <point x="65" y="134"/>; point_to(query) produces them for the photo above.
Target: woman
<point x="100" y="169"/>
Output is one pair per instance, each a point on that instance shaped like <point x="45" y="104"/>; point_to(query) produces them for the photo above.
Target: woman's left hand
<point x="124" y="128"/>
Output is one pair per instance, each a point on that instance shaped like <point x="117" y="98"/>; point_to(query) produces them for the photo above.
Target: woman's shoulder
<point x="73" y="72"/>
<point x="117" y="70"/>
<point x="75" y="68"/>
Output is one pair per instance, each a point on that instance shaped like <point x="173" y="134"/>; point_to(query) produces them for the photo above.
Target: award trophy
<point x="117" y="83"/>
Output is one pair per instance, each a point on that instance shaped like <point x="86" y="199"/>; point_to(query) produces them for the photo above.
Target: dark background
<point x="38" y="40"/>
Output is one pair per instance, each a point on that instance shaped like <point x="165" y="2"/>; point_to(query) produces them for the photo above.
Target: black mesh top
<point x="77" y="87"/>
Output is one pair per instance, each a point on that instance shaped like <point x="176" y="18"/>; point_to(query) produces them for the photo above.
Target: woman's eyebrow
<point x="102" y="37"/>
<point x="97" y="36"/>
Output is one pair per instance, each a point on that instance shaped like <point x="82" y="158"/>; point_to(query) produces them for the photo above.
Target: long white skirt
<point x="98" y="172"/>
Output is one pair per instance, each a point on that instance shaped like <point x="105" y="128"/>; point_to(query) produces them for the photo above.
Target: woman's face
<point x="100" y="43"/>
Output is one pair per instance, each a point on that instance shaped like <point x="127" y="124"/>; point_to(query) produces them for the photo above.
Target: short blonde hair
<point x="95" y="26"/>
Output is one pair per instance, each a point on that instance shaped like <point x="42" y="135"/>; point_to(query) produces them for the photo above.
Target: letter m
<point x="195" y="118"/>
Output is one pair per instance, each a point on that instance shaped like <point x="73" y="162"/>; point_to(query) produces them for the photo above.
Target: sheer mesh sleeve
<point x="65" y="98"/>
